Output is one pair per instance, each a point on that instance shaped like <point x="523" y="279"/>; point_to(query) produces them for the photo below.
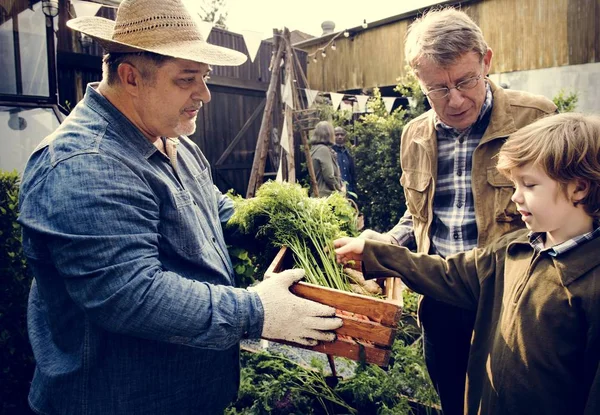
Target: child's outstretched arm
<point x="455" y="280"/>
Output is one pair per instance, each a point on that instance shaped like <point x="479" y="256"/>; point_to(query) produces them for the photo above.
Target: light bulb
<point x="323" y="54"/>
<point x="364" y="25"/>
<point x="333" y="46"/>
<point x="346" y="33"/>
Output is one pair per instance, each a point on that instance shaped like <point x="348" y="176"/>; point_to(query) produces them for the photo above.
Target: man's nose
<point x="455" y="98"/>
<point x="202" y="93"/>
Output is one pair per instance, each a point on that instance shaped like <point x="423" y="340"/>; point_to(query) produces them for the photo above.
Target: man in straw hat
<point x="456" y="199"/>
<point x="133" y="309"/>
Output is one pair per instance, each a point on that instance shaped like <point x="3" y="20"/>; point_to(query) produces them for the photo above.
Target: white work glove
<point x="376" y="236"/>
<point x="291" y="318"/>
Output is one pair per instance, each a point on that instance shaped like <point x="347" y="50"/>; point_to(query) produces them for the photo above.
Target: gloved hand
<point x="376" y="236"/>
<point x="291" y="318"/>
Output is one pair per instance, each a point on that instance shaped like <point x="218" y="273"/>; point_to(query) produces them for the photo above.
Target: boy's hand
<point x="291" y="318"/>
<point x="348" y="249"/>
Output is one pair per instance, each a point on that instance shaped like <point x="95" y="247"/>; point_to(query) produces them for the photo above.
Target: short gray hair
<point x="146" y="62"/>
<point x="443" y="36"/>
<point x="323" y="134"/>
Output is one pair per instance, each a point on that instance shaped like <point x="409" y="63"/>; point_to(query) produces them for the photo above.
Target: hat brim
<point x="101" y="30"/>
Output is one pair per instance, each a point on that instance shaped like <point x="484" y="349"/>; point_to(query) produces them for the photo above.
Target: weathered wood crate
<point x="370" y="323"/>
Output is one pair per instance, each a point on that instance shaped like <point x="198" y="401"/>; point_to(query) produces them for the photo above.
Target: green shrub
<point x="566" y="102"/>
<point x="17" y="364"/>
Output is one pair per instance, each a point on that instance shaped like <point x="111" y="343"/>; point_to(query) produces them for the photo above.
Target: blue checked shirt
<point x="537" y="239"/>
<point x="453" y="228"/>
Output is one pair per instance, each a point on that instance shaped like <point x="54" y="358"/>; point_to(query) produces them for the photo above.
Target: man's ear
<point x="130" y="78"/>
<point x="487" y="62"/>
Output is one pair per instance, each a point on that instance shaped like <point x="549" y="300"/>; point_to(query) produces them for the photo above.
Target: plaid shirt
<point x="453" y="228"/>
<point x="537" y="242"/>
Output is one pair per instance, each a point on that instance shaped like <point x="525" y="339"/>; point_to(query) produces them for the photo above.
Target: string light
<point x="323" y="54"/>
<point x="364" y="25"/>
<point x="346" y="33"/>
<point x="333" y="46"/>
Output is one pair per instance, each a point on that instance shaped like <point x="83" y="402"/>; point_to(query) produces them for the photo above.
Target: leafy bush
<point x="566" y="102"/>
<point x="377" y="154"/>
<point x="17" y="365"/>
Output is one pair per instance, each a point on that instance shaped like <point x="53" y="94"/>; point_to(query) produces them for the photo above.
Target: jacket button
<point x="459" y="172"/>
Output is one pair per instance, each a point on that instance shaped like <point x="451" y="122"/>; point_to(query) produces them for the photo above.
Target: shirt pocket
<point x="181" y="225"/>
<point x="505" y="210"/>
<point x="416" y="188"/>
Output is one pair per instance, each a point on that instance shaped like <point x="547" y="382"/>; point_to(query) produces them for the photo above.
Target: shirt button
<point x="459" y="205"/>
<point x="455" y="236"/>
<point x="461" y="140"/>
<point x="214" y="239"/>
<point x="459" y="172"/>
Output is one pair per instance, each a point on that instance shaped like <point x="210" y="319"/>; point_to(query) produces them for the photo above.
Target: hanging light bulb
<point x="364" y="25"/>
<point x="346" y="33"/>
<point x="315" y="59"/>
<point x="323" y="54"/>
<point x="333" y="46"/>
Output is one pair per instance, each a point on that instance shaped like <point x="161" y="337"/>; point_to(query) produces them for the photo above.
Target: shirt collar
<point x="485" y="108"/>
<point x="537" y="239"/>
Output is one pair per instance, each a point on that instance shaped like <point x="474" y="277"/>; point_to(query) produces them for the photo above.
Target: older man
<point x="133" y="309"/>
<point x="455" y="198"/>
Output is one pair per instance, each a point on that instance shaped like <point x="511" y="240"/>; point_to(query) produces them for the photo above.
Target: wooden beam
<point x="241" y="133"/>
<point x="260" y="155"/>
<point x="237" y="83"/>
<point x="289" y="77"/>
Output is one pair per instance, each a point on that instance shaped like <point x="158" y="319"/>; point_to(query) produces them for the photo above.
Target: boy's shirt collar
<point x="537" y="239"/>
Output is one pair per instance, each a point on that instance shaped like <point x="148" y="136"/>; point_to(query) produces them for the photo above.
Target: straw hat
<point x="165" y="27"/>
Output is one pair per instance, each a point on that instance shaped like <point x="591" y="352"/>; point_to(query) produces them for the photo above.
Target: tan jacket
<point x="536" y="342"/>
<point x="495" y="213"/>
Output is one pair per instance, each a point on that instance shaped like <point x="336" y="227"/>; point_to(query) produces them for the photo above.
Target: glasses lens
<point x="438" y="93"/>
<point x="468" y="83"/>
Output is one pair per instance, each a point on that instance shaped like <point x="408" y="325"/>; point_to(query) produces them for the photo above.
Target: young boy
<point x="536" y="344"/>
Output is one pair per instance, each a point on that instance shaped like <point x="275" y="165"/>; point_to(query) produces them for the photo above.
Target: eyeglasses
<point x="442" y="93"/>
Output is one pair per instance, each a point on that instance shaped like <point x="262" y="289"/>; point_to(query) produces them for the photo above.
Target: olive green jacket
<point x="536" y="344"/>
<point x="495" y="213"/>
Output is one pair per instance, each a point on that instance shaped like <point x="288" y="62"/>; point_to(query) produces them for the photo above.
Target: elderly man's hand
<point x="376" y="236"/>
<point x="291" y="318"/>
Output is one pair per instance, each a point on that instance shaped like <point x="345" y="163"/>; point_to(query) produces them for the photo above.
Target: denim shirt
<point x="133" y="309"/>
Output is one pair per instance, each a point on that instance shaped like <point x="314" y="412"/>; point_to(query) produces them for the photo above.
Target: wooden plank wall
<point x="524" y="35"/>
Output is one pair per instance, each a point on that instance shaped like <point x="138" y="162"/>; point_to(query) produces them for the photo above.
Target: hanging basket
<point x="305" y="119"/>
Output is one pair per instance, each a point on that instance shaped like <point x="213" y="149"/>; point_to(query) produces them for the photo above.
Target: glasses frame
<point x="459" y="87"/>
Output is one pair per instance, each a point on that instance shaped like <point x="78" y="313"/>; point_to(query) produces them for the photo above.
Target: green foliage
<point x="284" y="215"/>
<point x="243" y="265"/>
<point x="15" y="352"/>
<point x="272" y="384"/>
<point x="566" y="102"/>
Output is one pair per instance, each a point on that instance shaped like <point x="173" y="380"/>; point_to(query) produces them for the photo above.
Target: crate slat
<point x="349" y="349"/>
<point x="376" y="309"/>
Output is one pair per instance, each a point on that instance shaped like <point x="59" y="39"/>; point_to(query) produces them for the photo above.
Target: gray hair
<point x="443" y="36"/>
<point x="323" y="134"/>
<point x="146" y="62"/>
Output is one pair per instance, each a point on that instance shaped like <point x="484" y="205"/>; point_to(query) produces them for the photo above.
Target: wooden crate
<point x="370" y="323"/>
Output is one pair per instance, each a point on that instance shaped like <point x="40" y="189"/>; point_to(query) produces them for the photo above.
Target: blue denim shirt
<point x="133" y="309"/>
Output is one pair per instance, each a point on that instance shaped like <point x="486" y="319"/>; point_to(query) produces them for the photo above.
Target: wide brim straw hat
<point x="165" y="27"/>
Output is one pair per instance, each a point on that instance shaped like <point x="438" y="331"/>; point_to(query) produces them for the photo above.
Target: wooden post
<point x="289" y="77"/>
<point x="260" y="154"/>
